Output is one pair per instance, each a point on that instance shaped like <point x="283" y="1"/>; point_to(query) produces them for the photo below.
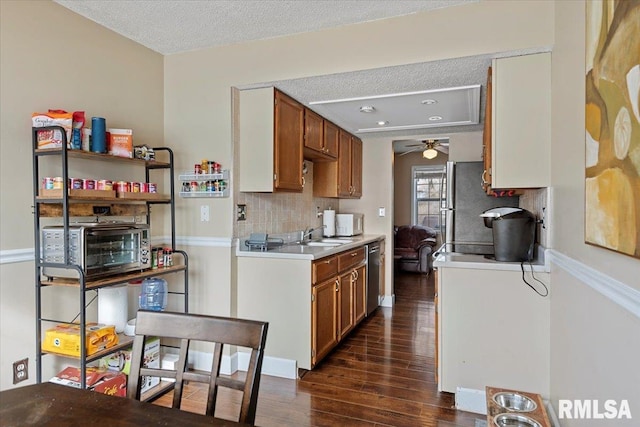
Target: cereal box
<point x="98" y="380"/>
<point x="120" y="142"/>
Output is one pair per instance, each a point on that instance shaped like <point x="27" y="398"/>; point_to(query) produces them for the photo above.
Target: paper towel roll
<point x="113" y="307"/>
<point x="329" y="223"/>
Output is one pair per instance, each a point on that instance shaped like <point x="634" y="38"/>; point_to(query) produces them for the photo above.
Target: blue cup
<point x="98" y="135"/>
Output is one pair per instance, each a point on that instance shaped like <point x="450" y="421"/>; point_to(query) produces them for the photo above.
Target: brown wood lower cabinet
<point x="338" y="303"/>
<point x="324" y="314"/>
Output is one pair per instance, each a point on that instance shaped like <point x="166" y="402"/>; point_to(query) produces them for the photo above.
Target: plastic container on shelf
<point x="153" y="294"/>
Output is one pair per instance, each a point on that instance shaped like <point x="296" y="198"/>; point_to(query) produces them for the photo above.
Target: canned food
<point x="197" y="168"/>
<point x="47" y="183"/>
<point x="89" y="184"/>
<point x="135" y="187"/>
<point x="104" y="184"/>
<point x="152" y="187"/>
<point x="160" y="257"/>
<point x="75" y="183"/>
<point x="121" y="186"/>
<point x="58" y="183"/>
<point x="144" y="187"/>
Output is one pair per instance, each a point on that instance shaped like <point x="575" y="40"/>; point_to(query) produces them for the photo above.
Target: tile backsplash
<point x="277" y="213"/>
<point x="536" y="201"/>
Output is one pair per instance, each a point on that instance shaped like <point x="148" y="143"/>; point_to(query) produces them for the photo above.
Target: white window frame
<point x="414" y="202"/>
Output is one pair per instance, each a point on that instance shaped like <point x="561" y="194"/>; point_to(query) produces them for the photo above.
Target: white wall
<point x="53" y="58"/>
<point x="595" y="343"/>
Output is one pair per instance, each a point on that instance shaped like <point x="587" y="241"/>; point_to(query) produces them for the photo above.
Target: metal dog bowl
<point x="514" y="401"/>
<point x="514" y="420"/>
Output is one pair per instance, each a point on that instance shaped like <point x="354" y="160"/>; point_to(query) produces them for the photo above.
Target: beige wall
<point x="403" y="183"/>
<point x="53" y="58"/>
<point x="595" y="345"/>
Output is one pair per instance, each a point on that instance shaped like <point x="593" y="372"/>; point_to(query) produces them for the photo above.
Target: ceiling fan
<point x="429" y="148"/>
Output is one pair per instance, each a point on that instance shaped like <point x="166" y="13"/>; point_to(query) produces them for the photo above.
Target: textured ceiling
<point x="170" y="26"/>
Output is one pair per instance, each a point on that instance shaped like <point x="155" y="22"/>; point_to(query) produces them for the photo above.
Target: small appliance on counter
<point x="513" y="233"/>
<point x="262" y="242"/>
<point x="350" y="224"/>
<point x="329" y="223"/>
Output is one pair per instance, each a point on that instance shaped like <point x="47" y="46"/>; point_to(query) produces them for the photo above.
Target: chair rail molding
<point x="618" y="292"/>
<point x="11" y="256"/>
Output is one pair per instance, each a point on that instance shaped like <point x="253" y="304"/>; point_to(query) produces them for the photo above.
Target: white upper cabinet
<point x="521" y="122"/>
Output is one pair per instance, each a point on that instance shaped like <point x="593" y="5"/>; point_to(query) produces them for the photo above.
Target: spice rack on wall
<point x="204" y="185"/>
<point x="65" y="203"/>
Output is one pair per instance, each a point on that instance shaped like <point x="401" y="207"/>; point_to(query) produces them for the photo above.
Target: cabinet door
<point x="345" y="305"/>
<point x="344" y="165"/>
<point x="356" y="167"/>
<point x="289" y="135"/>
<point x="324" y="315"/>
<point x="382" y="275"/>
<point x="331" y="139"/>
<point x="521" y="121"/>
<point x="313" y="131"/>
<point x="486" y="136"/>
<point x="360" y="293"/>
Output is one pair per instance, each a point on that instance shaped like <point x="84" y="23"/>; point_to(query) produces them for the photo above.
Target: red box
<point x="98" y="380"/>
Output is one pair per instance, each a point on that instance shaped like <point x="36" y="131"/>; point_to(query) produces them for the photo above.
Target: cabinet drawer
<point x="323" y="269"/>
<point x="350" y="258"/>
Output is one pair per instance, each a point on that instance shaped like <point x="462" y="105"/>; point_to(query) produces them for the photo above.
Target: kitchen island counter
<point x="480" y="262"/>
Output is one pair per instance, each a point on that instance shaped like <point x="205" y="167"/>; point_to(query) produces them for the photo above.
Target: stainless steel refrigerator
<point x="462" y="200"/>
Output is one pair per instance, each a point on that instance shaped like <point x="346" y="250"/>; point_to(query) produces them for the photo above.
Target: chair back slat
<point x="221" y="331"/>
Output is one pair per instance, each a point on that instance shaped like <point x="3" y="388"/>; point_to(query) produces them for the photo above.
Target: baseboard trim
<point x="239" y="361"/>
<point x="618" y="292"/>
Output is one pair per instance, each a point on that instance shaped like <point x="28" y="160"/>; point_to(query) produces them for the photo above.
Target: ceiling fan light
<point x="383" y="123"/>
<point x="367" y="109"/>
<point x="429" y="153"/>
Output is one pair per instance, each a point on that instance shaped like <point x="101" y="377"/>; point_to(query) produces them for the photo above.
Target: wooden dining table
<point x="48" y="404"/>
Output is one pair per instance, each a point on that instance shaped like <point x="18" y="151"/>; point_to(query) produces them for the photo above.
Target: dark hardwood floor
<point x="381" y="375"/>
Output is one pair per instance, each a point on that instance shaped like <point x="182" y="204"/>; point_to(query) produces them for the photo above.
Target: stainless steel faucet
<point x="306" y="233"/>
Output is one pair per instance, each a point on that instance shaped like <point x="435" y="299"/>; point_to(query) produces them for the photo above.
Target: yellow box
<point x="65" y="338"/>
<point x="120" y="142"/>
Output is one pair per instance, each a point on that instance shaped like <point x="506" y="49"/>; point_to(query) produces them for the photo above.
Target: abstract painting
<point x="612" y="125"/>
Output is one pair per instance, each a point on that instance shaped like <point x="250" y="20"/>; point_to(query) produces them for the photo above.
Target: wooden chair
<point x="192" y="327"/>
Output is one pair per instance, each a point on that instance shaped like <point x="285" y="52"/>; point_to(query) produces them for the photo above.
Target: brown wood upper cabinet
<point x="271" y="133"/>
<point x="320" y="137"/>
<point x="343" y="178"/>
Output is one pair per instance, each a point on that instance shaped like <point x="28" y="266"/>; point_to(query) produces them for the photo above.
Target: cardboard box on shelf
<point x="98" y="380"/>
<point x="120" y="142"/>
<point x="65" y="338"/>
<point x="151" y="359"/>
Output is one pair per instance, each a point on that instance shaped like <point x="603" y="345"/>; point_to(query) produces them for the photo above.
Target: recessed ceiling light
<point x="382" y="123"/>
<point x="435" y="118"/>
<point x="367" y="109"/>
<point x="429" y="102"/>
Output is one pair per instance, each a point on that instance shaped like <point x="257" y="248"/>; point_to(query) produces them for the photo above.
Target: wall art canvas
<point x="612" y="122"/>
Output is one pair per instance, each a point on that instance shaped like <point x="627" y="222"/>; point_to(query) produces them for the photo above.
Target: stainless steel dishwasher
<point x="373" y="276"/>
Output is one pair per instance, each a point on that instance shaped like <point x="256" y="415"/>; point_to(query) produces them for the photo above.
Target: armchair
<point x="413" y="246"/>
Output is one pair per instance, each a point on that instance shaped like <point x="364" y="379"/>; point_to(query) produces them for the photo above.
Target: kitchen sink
<point x="321" y="243"/>
<point x="338" y="241"/>
<point x="514" y="401"/>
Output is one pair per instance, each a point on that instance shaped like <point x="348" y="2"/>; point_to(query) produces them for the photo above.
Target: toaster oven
<point x="98" y="249"/>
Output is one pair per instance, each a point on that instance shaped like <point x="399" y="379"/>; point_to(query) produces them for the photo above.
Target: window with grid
<point x="429" y="185"/>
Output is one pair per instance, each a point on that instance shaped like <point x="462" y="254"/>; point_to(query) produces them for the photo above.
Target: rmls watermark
<point x="592" y="409"/>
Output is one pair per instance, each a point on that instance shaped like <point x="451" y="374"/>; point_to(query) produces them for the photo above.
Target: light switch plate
<point x="204" y="213"/>
<point x="381" y="211"/>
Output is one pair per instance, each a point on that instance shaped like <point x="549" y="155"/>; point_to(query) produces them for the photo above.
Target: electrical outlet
<point x="242" y="212"/>
<point x="20" y="370"/>
<point x="204" y="213"/>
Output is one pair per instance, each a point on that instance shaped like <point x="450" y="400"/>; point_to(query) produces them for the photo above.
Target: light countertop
<point x="458" y="260"/>
<point x="297" y="251"/>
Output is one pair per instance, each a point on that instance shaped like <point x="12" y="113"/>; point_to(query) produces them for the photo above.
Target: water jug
<point x="153" y="294"/>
